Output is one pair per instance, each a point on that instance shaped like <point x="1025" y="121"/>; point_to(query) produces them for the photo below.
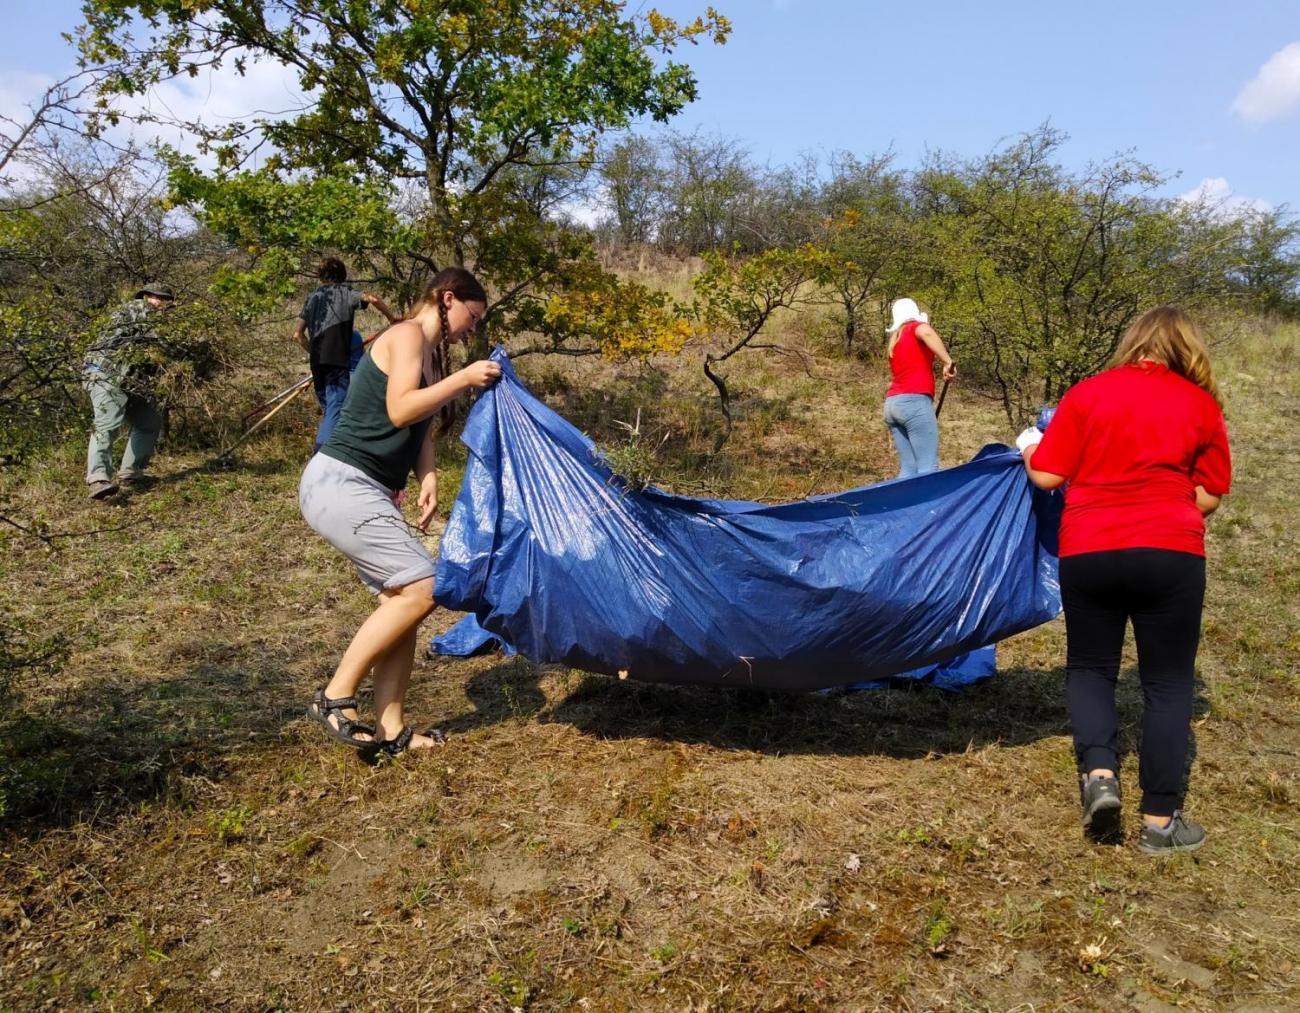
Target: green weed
<point x="914" y="835"/>
<point x="147" y="949"/>
<point x="229" y="825"/>
<point x="937" y="929"/>
<point x="512" y="988"/>
<point x="303" y="846"/>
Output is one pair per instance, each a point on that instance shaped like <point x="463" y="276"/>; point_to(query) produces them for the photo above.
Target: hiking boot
<point x="1181" y="835"/>
<point x="1102" y="806"/>
<point x="102" y="488"/>
<point x="132" y="480"/>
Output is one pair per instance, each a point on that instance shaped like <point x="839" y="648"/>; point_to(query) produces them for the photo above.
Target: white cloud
<point x="18" y="89"/>
<point x="583" y="210"/>
<point x="1215" y="194"/>
<point x="267" y="90"/>
<point x="19" y="92"/>
<point x="1274" y="92"/>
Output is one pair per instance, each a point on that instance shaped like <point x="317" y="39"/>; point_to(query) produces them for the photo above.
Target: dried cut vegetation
<point x="177" y="834"/>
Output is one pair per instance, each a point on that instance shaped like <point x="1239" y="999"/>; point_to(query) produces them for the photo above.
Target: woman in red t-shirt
<point x="1145" y="452"/>
<point x="909" y="402"/>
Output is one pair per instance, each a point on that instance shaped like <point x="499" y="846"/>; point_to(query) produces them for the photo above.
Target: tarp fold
<point x="557" y="558"/>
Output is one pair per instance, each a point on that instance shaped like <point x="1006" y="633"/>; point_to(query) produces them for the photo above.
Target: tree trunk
<point x="724" y="396"/>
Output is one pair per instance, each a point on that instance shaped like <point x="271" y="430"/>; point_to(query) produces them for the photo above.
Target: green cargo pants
<point x="114" y="407"/>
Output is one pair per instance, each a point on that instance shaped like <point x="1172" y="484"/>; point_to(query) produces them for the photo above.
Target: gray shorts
<point x="357" y="516"/>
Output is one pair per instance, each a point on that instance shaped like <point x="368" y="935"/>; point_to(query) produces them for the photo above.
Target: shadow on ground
<point x="906" y="722"/>
<point x="1016" y="707"/>
<point x="116" y="743"/>
<point x="119" y="741"/>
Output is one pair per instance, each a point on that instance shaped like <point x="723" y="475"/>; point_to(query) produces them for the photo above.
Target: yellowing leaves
<point x="660" y="25"/>
<point x="667" y="32"/>
<point x="625" y="319"/>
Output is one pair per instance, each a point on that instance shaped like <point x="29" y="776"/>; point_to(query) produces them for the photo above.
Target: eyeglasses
<point x="474" y="318"/>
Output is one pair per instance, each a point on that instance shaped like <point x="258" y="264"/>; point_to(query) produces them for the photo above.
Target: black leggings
<point x="1162" y="592"/>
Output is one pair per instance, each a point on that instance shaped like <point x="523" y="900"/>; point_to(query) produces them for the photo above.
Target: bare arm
<point x="300" y="334"/>
<point x="426" y="470"/>
<point x="406" y="401"/>
<point x="426" y="462"/>
<point x="935" y="343"/>
<point x="380" y="305"/>
<point x="1043" y="479"/>
<point x="401" y="355"/>
<point x="1206" y="502"/>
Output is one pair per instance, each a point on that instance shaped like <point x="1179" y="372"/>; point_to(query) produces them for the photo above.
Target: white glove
<point x="1031" y="437"/>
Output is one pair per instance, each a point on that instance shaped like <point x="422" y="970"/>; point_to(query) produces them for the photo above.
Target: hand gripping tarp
<point x="558" y="559"/>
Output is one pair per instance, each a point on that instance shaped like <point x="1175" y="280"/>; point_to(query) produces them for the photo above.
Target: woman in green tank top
<point x="350" y="492"/>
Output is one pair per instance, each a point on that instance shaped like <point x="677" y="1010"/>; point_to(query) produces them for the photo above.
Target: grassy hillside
<point x="177" y="833"/>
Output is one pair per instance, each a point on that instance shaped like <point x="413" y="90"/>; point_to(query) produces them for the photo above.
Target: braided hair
<point x="465" y="287"/>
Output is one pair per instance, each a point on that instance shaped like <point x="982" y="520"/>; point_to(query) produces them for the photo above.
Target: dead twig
<point x="49" y="538"/>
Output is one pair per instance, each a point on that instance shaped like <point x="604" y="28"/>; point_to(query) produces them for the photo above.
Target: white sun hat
<point x="905" y="311"/>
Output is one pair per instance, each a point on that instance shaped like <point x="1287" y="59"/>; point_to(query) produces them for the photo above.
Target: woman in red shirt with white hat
<point x="1145" y="452"/>
<point x="909" y="402"/>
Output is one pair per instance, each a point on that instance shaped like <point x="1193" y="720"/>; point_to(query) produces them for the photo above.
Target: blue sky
<point x="1171" y="80"/>
<point x="1158" y="77"/>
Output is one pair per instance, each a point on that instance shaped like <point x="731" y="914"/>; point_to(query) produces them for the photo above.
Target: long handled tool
<point x="291" y="389"/>
<point x="299" y="388"/>
<point x="943" y="393"/>
<point x="288" y="394"/>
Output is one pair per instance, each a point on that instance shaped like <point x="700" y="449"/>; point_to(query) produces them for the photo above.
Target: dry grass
<point x="179" y="835"/>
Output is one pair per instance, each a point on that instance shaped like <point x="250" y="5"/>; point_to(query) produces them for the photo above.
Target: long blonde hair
<point x="1169" y="336"/>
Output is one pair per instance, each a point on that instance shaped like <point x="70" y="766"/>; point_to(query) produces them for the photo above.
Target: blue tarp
<point x="558" y="559"/>
<point x="468" y="639"/>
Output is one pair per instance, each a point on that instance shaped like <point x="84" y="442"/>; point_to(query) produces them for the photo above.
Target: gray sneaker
<point x="1181" y="835"/>
<point x="1102" y="807"/>
<point x="102" y="489"/>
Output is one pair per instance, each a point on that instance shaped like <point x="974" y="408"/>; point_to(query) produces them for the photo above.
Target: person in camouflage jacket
<point x="115" y="365"/>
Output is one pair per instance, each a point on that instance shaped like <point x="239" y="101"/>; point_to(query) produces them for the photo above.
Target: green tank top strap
<point x="365" y="436"/>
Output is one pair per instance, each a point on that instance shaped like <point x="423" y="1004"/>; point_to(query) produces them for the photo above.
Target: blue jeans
<point x="331" y="386"/>
<point x="911" y="422"/>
